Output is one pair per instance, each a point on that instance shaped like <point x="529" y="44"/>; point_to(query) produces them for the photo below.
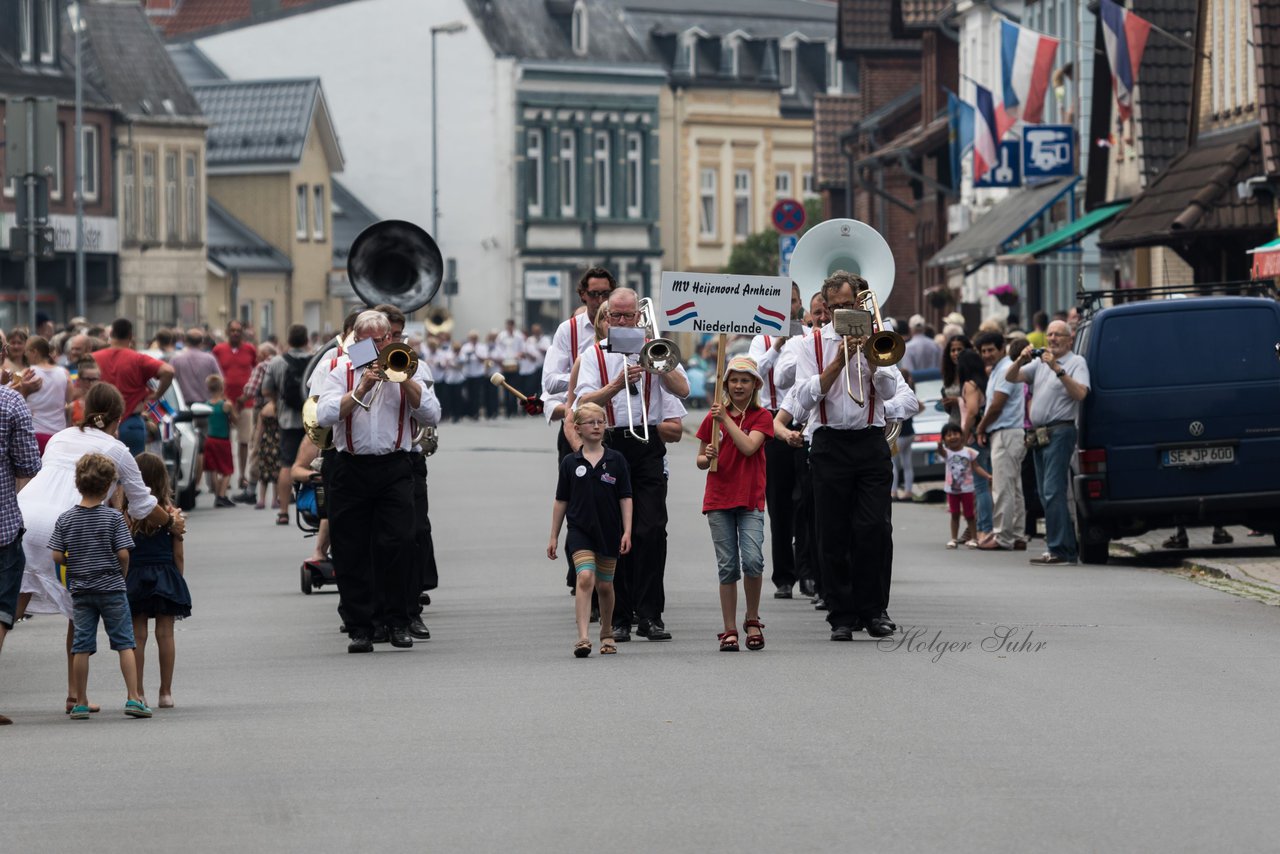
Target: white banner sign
<point x="543" y="284"/>
<point x="101" y="234"/>
<point x="723" y="302"/>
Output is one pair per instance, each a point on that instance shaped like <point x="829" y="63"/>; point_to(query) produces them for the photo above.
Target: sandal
<point x="582" y="649"/>
<point x="607" y="646"/>
<point x="728" y="640"/>
<point x="755" y="641"/>
<point x="952" y="544"/>
<point x="282" y="518"/>
<point x="94" y="708"/>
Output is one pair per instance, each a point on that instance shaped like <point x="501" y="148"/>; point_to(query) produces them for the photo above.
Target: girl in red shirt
<point x="734" y="497"/>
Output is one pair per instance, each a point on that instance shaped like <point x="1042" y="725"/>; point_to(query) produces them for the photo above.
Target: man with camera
<point x="1001" y="430"/>
<point x="608" y="377"/>
<point x="1059" y="381"/>
<point x="850" y="461"/>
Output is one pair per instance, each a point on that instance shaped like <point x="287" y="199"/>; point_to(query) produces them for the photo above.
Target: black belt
<point x="832" y="431"/>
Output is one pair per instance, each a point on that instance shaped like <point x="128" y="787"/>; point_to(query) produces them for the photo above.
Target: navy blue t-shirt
<point x="91" y="537"/>
<point x="593" y="494"/>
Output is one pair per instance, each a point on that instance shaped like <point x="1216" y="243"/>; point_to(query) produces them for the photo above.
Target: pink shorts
<point x="960" y="502"/>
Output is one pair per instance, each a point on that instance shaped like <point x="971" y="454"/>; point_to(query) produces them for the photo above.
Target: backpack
<point x="292" y="393"/>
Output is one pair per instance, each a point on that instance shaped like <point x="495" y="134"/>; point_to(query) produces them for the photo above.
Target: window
<point x="579" y="27"/>
<point x="535" y="176"/>
<point x="601" y="175"/>
<point x="707" y="194"/>
<point x="26" y="36"/>
<point x="89" y="162"/>
<point x="55" y="182"/>
<point x="688" y="59"/>
<point x="635" y="175"/>
<point x="191" y="195"/>
<point x="1234" y="77"/>
<point x="150" y="199"/>
<point x="128" y="193"/>
<point x="787" y="68"/>
<point x="732" y="60"/>
<point x="49" y="26"/>
<point x="171" y="233"/>
<point x="568" y="173"/>
<point x="317" y="212"/>
<point x="807" y="186"/>
<point x="268" y="326"/>
<point x="741" y="203"/>
<point x="162" y="312"/>
<point x="782" y="185"/>
<point x="300" y="213"/>
<point x="835" y="70"/>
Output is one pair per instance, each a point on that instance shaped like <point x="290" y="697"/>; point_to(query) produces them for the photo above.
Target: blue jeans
<point x="982" y="492"/>
<point x="113" y="608"/>
<point x="12" y="562"/>
<point x="734" y="533"/>
<point x="1053" y="467"/>
<point x="133" y="432"/>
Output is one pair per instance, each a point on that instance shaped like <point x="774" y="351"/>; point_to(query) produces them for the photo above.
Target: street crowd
<point x="91" y="530"/>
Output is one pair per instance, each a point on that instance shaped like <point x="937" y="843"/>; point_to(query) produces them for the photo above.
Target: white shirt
<point x="661" y="404"/>
<point x="388" y="425"/>
<point x="893" y="398"/>
<point x="1050" y="402"/>
<point x="784" y="368"/>
<point x="532" y="354"/>
<point x="509" y="346"/>
<point x="472" y="357"/>
<point x="774" y="390"/>
<point x="560" y="355"/>
<point x="445" y="364"/>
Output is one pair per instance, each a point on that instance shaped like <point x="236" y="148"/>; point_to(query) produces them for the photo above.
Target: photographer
<point x="1060" y="380"/>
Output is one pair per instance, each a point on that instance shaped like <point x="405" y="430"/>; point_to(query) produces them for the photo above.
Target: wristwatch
<point x="1060" y="372"/>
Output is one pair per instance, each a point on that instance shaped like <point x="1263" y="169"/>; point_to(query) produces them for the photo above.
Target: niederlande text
<point x="731" y="328"/>
<point x="681" y="286"/>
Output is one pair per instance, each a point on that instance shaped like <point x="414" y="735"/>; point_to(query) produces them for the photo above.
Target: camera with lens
<point x="1036" y="353"/>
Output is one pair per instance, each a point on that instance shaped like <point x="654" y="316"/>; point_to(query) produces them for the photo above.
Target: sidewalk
<point x="1248" y="560"/>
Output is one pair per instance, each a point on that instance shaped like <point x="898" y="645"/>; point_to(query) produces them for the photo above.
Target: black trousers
<point x="371" y="527"/>
<point x="490" y="392"/>
<point x="474" y="390"/>
<point x="851" y="478"/>
<point x="806" y="531"/>
<point x="638" y="579"/>
<point x="424" y="553"/>
<point x="781" y="491"/>
<point x="452" y="405"/>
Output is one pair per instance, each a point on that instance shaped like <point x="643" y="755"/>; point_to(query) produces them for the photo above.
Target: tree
<point x="758" y="254"/>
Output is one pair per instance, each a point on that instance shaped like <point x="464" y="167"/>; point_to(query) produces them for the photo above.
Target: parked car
<point x="183" y="448"/>
<point x="1182" y="422"/>
<point x="927" y="461"/>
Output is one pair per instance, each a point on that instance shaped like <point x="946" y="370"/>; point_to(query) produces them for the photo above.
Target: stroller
<point x="308" y="502"/>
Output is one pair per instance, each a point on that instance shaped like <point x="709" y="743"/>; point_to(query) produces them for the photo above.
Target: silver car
<point x="925" y="457"/>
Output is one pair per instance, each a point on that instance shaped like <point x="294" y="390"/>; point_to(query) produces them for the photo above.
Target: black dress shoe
<point x="782" y="593"/>
<point x="820" y="605"/>
<point x="246" y="497"/>
<point x="642" y="629"/>
<point x="807" y="588"/>
<point x="884" y="615"/>
<point x="858" y="624"/>
<point x="424" y="598"/>
<point x="380" y="634"/>
<point x="400" y="638"/>
<point x="621" y="634"/>
<point x="842" y="633"/>
<point x="879" y="627"/>
<point x="419" y="630"/>
<point x="656" y="632"/>
<point x="360" y="643"/>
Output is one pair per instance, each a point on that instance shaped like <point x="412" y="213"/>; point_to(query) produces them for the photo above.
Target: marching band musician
<point x="851" y="467"/>
<point x="607" y="379"/>
<point x="371" y="506"/>
<point x="573" y="337"/>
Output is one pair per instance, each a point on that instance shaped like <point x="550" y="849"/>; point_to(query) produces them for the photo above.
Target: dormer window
<point x="687" y="57"/>
<point x="835" y="70"/>
<point x="37" y="31"/>
<point x="48" y="26"/>
<point x="579" y="28"/>
<point x="731" y="61"/>
<point x="26" y="32"/>
<point x="787" y="67"/>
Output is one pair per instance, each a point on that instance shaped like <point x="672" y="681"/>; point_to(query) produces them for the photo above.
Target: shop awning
<point x="992" y="234"/>
<point x="1068" y="234"/>
<point x="1266" y="260"/>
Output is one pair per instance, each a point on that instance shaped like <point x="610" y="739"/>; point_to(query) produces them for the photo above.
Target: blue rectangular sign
<point x="786" y="246"/>
<point x="1048" y="151"/>
<point x="1006" y="173"/>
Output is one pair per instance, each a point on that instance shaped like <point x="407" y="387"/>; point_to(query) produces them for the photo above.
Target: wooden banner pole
<point x="721" y="346"/>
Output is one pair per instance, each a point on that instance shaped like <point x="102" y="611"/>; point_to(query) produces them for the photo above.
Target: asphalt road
<point x="1125" y="708"/>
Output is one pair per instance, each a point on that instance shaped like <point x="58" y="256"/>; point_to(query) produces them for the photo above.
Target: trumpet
<point x="397" y="362"/>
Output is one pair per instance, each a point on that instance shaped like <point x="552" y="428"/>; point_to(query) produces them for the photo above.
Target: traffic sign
<point x="786" y="246"/>
<point x="1048" y="151"/>
<point x="788" y="216"/>
<point x="1007" y="172"/>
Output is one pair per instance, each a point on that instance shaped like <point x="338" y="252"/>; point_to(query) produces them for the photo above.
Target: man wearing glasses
<point x="850" y="466"/>
<point x="371" y="505"/>
<point x="573" y="337"/>
<point x="612" y="382"/>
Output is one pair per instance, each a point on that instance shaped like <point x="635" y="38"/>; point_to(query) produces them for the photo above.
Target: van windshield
<point x="1179" y="348"/>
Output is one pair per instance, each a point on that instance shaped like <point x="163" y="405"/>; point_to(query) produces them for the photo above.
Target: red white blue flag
<point x="1125" y="35"/>
<point x="986" y="139"/>
<point x="1026" y="64"/>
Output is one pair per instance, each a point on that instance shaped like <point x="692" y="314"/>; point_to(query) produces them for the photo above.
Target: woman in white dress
<point x="53" y="491"/>
<point x="48" y="404"/>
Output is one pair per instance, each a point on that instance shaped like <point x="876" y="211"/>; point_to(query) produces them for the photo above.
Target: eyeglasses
<point x="389" y="337"/>
<point x="834" y="306"/>
<point x="598" y="294"/>
<point x="621" y="315"/>
<point x="596" y="423"/>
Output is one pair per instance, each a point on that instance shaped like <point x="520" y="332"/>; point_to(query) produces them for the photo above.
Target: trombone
<point x="883" y="347"/>
<point x="657" y="356"/>
<point x="397" y="362"/>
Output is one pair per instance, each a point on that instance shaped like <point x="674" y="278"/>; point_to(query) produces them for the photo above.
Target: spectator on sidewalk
<point x="131" y="372"/>
<point x="236" y="356"/>
<point x="1001" y="431"/>
<point x="285" y="386"/>
<point x="193" y="365"/>
<point x="19" y="461"/>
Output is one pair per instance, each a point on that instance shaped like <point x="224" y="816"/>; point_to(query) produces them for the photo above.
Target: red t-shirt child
<point x="128" y="370"/>
<point x="237" y="365"/>
<point x="738" y="481"/>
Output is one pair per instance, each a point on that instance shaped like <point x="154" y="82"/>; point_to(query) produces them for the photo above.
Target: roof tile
<point x="833" y="116"/>
<point x="1266" y="18"/>
<point x="257" y="121"/>
<point x="867" y="25"/>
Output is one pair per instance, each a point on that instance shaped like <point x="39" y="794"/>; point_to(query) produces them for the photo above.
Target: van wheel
<point x="1095" y="544"/>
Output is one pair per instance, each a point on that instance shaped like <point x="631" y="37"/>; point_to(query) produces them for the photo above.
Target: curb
<point x="1199" y="565"/>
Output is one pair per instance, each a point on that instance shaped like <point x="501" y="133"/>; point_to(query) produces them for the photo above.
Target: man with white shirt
<point x="532" y="355"/>
<point x="923" y="353"/>
<point x="371" y="505"/>
<point x="507" y="350"/>
<point x="1001" y="430"/>
<point x="611" y="381"/>
<point x="850" y="465"/>
<point x="471" y="356"/>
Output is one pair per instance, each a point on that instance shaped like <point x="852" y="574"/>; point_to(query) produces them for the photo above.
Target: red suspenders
<point x="822" y="405"/>
<point x="773" y="391"/>
<point x="351" y="448"/>
<point x="604" y="380"/>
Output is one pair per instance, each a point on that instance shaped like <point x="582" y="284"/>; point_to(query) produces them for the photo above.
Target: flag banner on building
<point x="960" y="136"/>
<point x="1026" y="65"/>
<point x="1125" y="35"/>
<point x="985" y="135"/>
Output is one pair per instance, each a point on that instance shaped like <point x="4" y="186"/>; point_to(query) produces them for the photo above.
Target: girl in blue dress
<point x="157" y="589"/>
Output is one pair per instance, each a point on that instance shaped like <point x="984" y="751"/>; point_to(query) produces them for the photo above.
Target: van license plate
<point x="1185" y="457"/>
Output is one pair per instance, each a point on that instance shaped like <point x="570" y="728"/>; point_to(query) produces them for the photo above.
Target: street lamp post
<point x="448" y="29"/>
<point x="77" y="27"/>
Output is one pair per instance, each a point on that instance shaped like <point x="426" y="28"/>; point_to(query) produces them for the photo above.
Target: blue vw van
<point x="1182" y="423"/>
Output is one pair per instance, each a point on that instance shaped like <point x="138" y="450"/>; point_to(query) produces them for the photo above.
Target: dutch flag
<point x="1026" y="64"/>
<point x="772" y="319"/>
<point x="1125" y="35"/>
<point x="985" y="136"/>
<point x="681" y="313"/>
